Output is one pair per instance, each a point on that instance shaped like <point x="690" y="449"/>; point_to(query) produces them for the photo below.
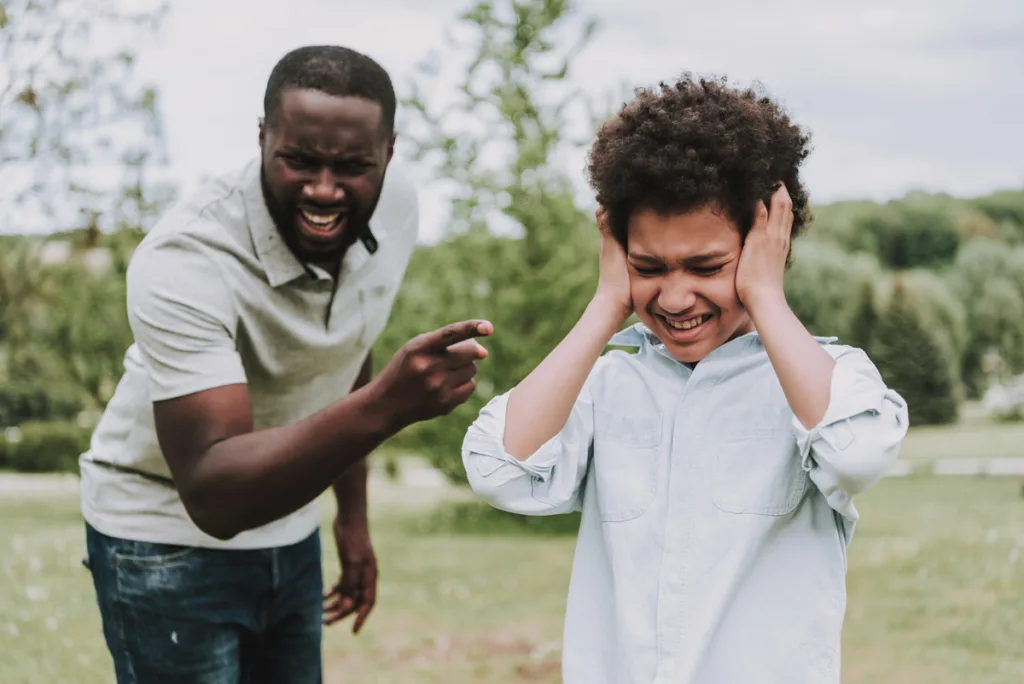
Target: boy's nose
<point x="677" y="298"/>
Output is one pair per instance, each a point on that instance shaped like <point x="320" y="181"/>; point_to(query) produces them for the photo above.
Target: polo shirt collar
<point x="279" y="263"/>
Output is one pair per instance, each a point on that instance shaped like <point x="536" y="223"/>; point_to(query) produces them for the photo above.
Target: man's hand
<point x="762" y="265"/>
<point x="356" y="591"/>
<point x="433" y="373"/>
<point x="613" y="280"/>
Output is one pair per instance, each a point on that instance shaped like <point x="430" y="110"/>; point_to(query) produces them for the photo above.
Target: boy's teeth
<point x="688" y="323"/>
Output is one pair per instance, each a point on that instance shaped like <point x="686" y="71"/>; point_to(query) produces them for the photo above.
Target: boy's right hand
<point x="432" y="373"/>
<point x="613" y="282"/>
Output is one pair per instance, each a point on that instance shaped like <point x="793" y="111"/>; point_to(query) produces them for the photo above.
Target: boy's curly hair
<point x="697" y="142"/>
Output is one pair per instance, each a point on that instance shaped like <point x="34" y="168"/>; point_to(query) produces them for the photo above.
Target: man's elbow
<point x="209" y="511"/>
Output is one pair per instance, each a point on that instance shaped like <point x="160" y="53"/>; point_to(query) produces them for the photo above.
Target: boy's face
<point x="682" y="273"/>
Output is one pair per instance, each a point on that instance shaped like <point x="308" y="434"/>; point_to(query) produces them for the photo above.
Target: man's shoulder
<point x="210" y="219"/>
<point x="398" y="208"/>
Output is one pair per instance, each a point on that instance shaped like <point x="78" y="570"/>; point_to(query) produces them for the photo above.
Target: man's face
<point x="324" y="159"/>
<point x="682" y="273"/>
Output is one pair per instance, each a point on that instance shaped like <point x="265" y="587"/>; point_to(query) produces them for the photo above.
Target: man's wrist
<point x="379" y="414"/>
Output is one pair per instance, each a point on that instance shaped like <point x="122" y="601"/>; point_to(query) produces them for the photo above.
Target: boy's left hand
<point x="762" y="264"/>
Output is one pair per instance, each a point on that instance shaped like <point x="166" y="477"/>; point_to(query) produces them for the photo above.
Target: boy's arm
<point x="848" y="424"/>
<point x="528" y="450"/>
<point x="539" y="406"/>
<point x="804" y="369"/>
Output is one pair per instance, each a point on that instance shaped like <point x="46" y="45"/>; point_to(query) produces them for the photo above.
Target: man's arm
<point x="350" y="488"/>
<point x="232" y="479"/>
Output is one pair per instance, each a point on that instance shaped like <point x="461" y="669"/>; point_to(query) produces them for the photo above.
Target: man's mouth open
<point x="322" y="225"/>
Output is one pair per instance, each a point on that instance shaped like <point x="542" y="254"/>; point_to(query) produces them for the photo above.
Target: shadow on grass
<point x="475" y="517"/>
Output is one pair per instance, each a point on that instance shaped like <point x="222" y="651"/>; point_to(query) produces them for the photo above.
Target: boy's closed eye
<point x="648" y="268"/>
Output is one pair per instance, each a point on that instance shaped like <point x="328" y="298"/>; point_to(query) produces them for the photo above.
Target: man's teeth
<point x="688" y="323"/>
<point x="320" y="220"/>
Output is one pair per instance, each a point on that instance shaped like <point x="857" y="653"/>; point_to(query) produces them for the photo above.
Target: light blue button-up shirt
<point x="712" y="544"/>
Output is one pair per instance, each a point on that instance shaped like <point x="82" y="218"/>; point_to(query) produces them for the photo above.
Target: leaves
<point x="69" y="106"/>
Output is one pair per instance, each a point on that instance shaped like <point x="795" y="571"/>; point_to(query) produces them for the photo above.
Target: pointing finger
<point x="464" y="352"/>
<point x="440" y="340"/>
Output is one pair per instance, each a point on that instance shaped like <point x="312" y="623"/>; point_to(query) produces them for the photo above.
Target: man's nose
<point x="324" y="188"/>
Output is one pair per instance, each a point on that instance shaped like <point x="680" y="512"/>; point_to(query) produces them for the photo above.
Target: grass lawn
<point x="936" y="593"/>
<point x="973" y="436"/>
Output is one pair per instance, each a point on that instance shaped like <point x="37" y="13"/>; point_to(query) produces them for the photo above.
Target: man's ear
<point x="263" y="131"/>
<point x="391" y="146"/>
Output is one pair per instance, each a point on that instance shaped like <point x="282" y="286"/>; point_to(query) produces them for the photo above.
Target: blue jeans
<point x="209" y="616"/>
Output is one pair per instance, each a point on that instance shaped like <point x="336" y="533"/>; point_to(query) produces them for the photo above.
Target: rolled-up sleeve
<point x="548" y="482"/>
<point x="858" y="439"/>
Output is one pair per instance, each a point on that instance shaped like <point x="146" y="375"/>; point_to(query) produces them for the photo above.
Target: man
<point x="254" y="305"/>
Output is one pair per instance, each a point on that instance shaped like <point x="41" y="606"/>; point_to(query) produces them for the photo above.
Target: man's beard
<point x="357" y="225"/>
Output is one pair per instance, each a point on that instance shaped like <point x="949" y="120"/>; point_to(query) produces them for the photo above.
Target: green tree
<point x="989" y="279"/>
<point x="81" y="149"/>
<point x="942" y="313"/>
<point x="912" y="362"/>
<point x="80" y="136"/>
<point x="864" y="317"/>
<point x="819" y="285"/>
<point x="521" y="252"/>
<point x="912" y="234"/>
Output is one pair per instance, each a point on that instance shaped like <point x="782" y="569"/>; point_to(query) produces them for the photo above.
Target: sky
<point x="898" y="96"/>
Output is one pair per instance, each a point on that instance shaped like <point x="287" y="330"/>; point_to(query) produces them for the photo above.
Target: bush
<point x="43" y="447"/>
<point x="819" y="287"/>
<point x="910" y="236"/>
<point x="912" y="362"/>
<point x="22" y="401"/>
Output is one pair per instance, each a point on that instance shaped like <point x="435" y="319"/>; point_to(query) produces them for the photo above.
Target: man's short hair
<point x="333" y="70"/>
<point x="696" y="143"/>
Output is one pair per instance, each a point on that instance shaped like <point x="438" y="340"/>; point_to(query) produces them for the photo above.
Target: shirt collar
<point x="639" y="335"/>
<point x="280" y="264"/>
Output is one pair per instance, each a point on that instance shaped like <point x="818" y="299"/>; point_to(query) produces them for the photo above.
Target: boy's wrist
<point x="607" y="312"/>
<point x="764" y="303"/>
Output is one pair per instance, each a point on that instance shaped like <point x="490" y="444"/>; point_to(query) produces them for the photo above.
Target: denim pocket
<point x="625" y="463"/>
<point x="151" y="554"/>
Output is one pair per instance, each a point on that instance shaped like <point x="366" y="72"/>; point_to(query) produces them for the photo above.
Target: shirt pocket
<point x="757" y="472"/>
<point x="626" y="451"/>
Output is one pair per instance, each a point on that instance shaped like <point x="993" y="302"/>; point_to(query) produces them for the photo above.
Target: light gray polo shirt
<point x="215" y="297"/>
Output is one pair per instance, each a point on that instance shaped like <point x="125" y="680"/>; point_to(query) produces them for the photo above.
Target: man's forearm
<point x="253" y="479"/>
<point x="350" y="493"/>
<point x="350" y="488"/>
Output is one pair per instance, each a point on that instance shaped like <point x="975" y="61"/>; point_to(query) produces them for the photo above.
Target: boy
<point x="715" y="468"/>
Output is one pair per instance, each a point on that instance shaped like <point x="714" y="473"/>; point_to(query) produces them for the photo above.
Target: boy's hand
<point x="613" y="281"/>
<point x="762" y="264"/>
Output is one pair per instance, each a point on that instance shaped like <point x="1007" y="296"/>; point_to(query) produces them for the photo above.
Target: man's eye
<point x="300" y="163"/>
<point x="646" y="271"/>
<point x="706" y="270"/>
